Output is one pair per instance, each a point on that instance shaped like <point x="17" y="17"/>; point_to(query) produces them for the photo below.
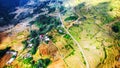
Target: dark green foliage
<point x="47" y="61"/>
<point x="35" y="43"/>
<point x="33" y="33"/>
<point x="62" y="8"/>
<point x="68" y="46"/>
<point x="119" y="44"/>
<point x="116" y="27"/>
<point x="33" y="50"/>
<point x="2" y="52"/>
<point x="67" y="36"/>
<point x="71" y="18"/>
<point x="38" y="24"/>
<point x="39" y="64"/>
<point x="51" y="37"/>
<point x="52" y="9"/>
<point x="46" y="23"/>
<point x="84" y="62"/>
<point x="43" y="63"/>
<point x="25" y="44"/>
<point x="13" y="56"/>
<point x="105" y="53"/>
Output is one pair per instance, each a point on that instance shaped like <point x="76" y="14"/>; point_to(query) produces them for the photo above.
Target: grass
<point x="75" y="60"/>
<point x="75" y="31"/>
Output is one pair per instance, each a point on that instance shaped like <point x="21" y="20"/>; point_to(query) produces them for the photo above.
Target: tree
<point x="25" y="44"/>
<point x="71" y="18"/>
<point x="47" y="61"/>
<point x="33" y="50"/>
<point x="67" y="36"/>
<point x="2" y="52"/>
<point x="43" y="63"/>
<point x="35" y="43"/>
<point x="38" y="24"/>
<point x="27" y="60"/>
<point x="33" y="33"/>
<point x="116" y="27"/>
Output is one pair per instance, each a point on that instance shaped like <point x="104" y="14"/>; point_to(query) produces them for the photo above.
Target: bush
<point x="35" y="43"/>
<point x="47" y="61"/>
<point x="25" y="44"/>
<point x="67" y="36"/>
<point x="46" y="23"/>
<point x="116" y="27"/>
<point x="43" y="63"/>
<point x="2" y="52"/>
<point x="33" y="33"/>
<point x="71" y="18"/>
<point x="33" y="50"/>
<point x="27" y="60"/>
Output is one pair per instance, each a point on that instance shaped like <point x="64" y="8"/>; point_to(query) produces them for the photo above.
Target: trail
<point x="80" y="48"/>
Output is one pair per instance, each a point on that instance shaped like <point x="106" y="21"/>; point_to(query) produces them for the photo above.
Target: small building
<point x="61" y="31"/>
<point x="10" y="61"/>
<point x="41" y="37"/>
<point x="14" y="54"/>
<point x="30" y="45"/>
<point x="46" y="38"/>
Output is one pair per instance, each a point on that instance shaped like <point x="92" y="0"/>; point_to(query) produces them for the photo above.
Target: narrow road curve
<point x="80" y="48"/>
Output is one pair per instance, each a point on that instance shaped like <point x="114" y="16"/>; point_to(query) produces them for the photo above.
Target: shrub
<point x="27" y="60"/>
<point x="67" y="36"/>
<point x="25" y="44"/>
<point x="116" y="27"/>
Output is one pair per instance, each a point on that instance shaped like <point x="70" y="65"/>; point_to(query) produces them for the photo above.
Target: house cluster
<point x="14" y="55"/>
<point x="42" y="37"/>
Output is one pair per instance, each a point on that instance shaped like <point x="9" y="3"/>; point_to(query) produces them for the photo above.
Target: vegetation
<point x="43" y="63"/>
<point x="13" y="56"/>
<point x="51" y="10"/>
<point x="116" y="27"/>
<point x="35" y="43"/>
<point x="86" y="27"/>
<point x="71" y="18"/>
<point x="67" y="36"/>
<point x="61" y="30"/>
<point x="25" y="44"/>
<point x="27" y="60"/>
<point x="2" y="52"/>
<point x="33" y="33"/>
<point x="62" y="8"/>
<point x="97" y="12"/>
<point x="68" y="46"/>
<point x="46" y="23"/>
